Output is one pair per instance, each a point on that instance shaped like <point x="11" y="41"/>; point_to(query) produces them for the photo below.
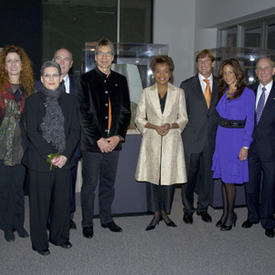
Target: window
<point x="71" y="23"/>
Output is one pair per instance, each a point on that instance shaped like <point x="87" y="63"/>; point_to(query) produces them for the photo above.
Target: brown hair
<point x="239" y="73"/>
<point x="26" y="75"/>
<point x="105" y="42"/>
<point x="162" y="59"/>
<point x="204" y="53"/>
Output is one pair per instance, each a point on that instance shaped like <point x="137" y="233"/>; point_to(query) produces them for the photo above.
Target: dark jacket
<point x="264" y="132"/>
<point x="38" y="148"/>
<point x="202" y="122"/>
<point x="93" y="95"/>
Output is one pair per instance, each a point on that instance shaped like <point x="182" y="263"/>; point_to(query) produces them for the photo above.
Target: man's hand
<point x="104" y="145"/>
<point x="113" y="142"/>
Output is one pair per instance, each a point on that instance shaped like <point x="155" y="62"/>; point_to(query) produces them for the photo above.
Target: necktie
<point x="63" y="85"/>
<point x="207" y="93"/>
<point x="260" y="106"/>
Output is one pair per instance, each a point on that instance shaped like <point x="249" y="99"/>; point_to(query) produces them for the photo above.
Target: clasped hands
<point x="59" y="161"/>
<point x="163" y="129"/>
<point x="107" y="145"/>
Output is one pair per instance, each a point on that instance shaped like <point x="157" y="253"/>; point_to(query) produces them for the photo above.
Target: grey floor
<point x="188" y="249"/>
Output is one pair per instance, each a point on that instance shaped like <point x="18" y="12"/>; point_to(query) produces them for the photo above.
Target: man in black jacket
<point x="199" y="136"/>
<point x="104" y="115"/>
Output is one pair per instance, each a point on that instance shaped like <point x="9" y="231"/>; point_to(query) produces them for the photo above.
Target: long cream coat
<point x="161" y="157"/>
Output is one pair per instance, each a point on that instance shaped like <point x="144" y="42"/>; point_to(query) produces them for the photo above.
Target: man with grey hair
<point x="64" y="58"/>
<point x="104" y="116"/>
<point x="261" y="154"/>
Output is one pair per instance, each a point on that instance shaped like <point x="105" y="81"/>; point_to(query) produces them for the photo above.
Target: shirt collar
<point x="66" y="77"/>
<point x="267" y="86"/>
<point x="102" y="74"/>
<point x="210" y="78"/>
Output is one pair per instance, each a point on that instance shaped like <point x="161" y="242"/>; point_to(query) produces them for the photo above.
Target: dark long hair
<point x="239" y="73"/>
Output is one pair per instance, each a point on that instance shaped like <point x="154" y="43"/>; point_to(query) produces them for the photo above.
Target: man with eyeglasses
<point x="199" y="137"/>
<point x="260" y="190"/>
<point x="104" y="116"/>
<point x="64" y="58"/>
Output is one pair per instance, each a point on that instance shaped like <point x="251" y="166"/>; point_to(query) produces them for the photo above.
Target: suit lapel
<point x="269" y="103"/>
<point x="214" y="94"/>
<point x="199" y="92"/>
<point x="169" y="99"/>
<point x="72" y="85"/>
<point x="154" y="97"/>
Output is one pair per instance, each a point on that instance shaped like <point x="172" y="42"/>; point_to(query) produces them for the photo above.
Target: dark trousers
<point x="260" y="197"/>
<point x="199" y="176"/>
<point x="73" y="183"/>
<point x="98" y="167"/>
<point x="160" y="197"/>
<point x="11" y="196"/>
<point x="49" y="195"/>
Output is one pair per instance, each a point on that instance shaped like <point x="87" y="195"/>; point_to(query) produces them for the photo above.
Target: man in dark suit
<point x="261" y="154"/>
<point x="199" y="137"/>
<point x="65" y="59"/>
<point x="104" y="116"/>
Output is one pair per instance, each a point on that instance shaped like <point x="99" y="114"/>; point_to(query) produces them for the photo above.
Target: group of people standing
<point x="227" y="131"/>
<point x="209" y="128"/>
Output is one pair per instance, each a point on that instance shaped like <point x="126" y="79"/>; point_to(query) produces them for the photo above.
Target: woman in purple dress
<point x="236" y="105"/>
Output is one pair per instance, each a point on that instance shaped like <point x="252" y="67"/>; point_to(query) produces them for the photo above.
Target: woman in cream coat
<point x="161" y="117"/>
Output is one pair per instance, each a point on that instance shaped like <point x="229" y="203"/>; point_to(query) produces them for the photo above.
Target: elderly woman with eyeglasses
<point x="16" y="82"/>
<point x="52" y="129"/>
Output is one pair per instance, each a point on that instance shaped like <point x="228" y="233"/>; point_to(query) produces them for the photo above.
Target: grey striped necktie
<point x="260" y="106"/>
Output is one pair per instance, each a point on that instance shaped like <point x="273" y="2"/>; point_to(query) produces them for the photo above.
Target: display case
<point x="132" y="61"/>
<point x="246" y="56"/>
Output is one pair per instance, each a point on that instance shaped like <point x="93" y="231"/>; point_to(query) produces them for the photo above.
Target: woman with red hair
<point x="16" y="82"/>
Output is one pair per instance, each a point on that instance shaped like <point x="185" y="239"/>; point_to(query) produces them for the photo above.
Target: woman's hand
<point x="163" y="129"/>
<point x="243" y="154"/>
<point x="59" y="161"/>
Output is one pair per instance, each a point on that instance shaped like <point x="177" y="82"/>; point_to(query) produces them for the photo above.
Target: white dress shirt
<point x="260" y="91"/>
<point x="67" y="83"/>
<point x="203" y="83"/>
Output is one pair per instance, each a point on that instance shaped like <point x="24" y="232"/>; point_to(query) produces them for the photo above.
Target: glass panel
<point x="136" y="21"/>
<point x="229" y="37"/>
<point x="271" y="36"/>
<point x="252" y="37"/>
<point x="232" y="39"/>
<point x="70" y="23"/>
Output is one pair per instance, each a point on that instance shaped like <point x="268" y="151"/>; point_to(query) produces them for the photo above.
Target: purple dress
<point x="229" y="141"/>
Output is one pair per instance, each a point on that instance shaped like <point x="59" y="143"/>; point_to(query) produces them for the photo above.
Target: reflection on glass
<point x="252" y="37"/>
<point x="271" y="36"/>
<point x="70" y="23"/>
<point x="246" y="56"/>
<point x="136" y="21"/>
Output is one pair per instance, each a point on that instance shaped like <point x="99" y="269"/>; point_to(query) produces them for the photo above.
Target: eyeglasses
<point x="10" y="61"/>
<point x="108" y="54"/>
<point x="207" y="61"/>
<point x="65" y="59"/>
<point x="51" y="76"/>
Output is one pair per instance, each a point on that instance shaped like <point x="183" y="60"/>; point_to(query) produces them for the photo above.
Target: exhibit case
<point x="246" y="56"/>
<point x="132" y="61"/>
